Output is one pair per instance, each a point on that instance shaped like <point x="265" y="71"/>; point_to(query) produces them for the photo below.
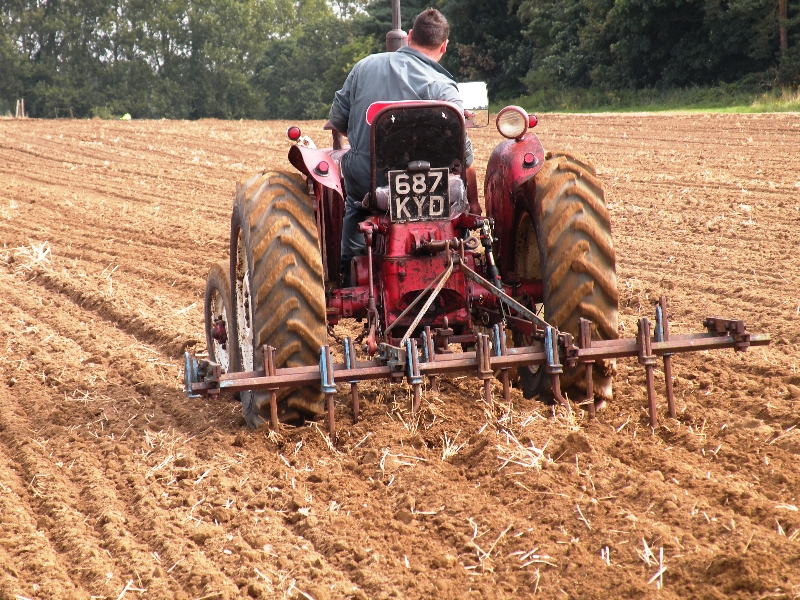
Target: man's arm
<point x="339" y="114"/>
<point x="472" y="191"/>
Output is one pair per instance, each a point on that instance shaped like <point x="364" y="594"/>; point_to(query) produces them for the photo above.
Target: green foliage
<point x="621" y="44"/>
<point x="743" y="96"/>
<point x="171" y="58"/>
<point x="298" y="74"/>
<point x="487" y="44"/>
<point x="286" y="58"/>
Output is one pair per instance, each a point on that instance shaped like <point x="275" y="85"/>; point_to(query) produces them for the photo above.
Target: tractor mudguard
<point x="506" y="171"/>
<point x="308" y="160"/>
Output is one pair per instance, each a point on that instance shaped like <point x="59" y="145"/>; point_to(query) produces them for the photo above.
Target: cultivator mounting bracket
<point x="423" y="356"/>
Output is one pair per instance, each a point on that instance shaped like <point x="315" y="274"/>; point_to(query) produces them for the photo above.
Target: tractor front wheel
<point x="566" y="241"/>
<point x="278" y="287"/>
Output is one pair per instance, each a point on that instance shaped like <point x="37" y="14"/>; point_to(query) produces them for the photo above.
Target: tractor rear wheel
<point x="218" y="312"/>
<point x="571" y="228"/>
<point x="278" y="286"/>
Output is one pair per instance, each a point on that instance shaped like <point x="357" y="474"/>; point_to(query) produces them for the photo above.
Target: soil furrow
<point x="107" y="467"/>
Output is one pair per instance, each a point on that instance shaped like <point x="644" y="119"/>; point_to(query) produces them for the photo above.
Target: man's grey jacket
<point x="406" y="74"/>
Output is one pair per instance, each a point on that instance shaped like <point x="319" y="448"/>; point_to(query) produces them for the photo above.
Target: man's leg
<point x="353" y="243"/>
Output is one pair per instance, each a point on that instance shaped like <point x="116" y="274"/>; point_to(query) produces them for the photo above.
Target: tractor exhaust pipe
<point x="396" y="38"/>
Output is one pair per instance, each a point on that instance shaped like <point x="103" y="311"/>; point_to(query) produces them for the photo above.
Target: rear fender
<point x="306" y="160"/>
<point x="506" y="172"/>
<point x="330" y="203"/>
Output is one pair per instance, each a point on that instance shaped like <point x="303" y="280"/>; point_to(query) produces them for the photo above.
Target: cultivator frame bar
<point x="427" y="356"/>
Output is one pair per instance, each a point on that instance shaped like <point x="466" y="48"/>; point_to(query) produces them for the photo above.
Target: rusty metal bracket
<point x="190" y="375"/>
<point x="413" y="374"/>
<point x="585" y="341"/>
<point x="483" y="353"/>
<point x="648" y="359"/>
<point x="500" y="349"/>
<point x="392" y="356"/>
<point x="732" y="327"/>
<point x="269" y="371"/>
<point x="662" y="335"/>
<point x="528" y="314"/>
<point x="429" y="355"/>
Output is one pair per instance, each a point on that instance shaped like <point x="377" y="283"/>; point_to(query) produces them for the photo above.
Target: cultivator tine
<point x="269" y="370"/>
<point x="501" y="350"/>
<point x="350" y="363"/>
<point x="647" y="359"/>
<point x="585" y="341"/>
<point x="190" y="374"/>
<point x="328" y="387"/>
<point x="662" y="335"/>
<point x="429" y="354"/>
<point x="414" y="377"/>
<point x="483" y="350"/>
<point x="553" y="365"/>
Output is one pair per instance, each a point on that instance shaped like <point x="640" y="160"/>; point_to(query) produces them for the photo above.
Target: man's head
<point x="429" y="34"/>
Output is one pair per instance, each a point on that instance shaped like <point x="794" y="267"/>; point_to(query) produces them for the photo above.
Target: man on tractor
<point x="411" y="73"/>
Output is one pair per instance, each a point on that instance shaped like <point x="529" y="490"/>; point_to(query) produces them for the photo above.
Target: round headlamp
<point x="512" y="122"/>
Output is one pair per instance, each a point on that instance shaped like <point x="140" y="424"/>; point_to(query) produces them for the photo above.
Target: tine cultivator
<point x="420" y="282"/>
<point x="417" y="358"/>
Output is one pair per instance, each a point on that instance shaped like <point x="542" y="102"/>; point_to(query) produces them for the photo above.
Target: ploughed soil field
<point x="114" y="485"/>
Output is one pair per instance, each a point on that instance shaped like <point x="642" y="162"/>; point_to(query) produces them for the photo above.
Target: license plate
<point x="419" y="195"/>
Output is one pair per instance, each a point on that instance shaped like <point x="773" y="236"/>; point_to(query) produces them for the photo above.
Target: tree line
<point x="285" y="58"/>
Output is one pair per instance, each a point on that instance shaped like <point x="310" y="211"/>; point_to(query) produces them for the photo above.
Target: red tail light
<point x="532" y="121"/>
<point x="323" y="168"/>
<point x="293" y="133"/>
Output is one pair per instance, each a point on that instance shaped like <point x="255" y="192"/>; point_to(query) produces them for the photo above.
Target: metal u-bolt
<point x="500" y="350"/>
<point x="553" y="367"/>
<point x="328" y="387"/>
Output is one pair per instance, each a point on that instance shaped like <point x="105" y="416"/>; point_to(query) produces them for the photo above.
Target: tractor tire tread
<point x="578" y="258"/>
<point x="286" y="271"/>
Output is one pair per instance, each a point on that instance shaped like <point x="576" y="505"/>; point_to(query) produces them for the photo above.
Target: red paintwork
<point x="347" y="303"/>
<point x="377" y="107"/>
<point x="403" y="274"/>
<point x="329" y="196"/>
<point x="401" y="270"/>
<point x="506" y="175"/>
<point x="306" y="160"/>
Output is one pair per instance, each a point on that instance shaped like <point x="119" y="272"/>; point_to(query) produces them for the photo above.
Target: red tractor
<point x="545" y="242"/>
<point x="540" y="264"/>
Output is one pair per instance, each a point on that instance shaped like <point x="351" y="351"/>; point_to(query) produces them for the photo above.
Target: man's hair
<point x="430" y="29"/>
